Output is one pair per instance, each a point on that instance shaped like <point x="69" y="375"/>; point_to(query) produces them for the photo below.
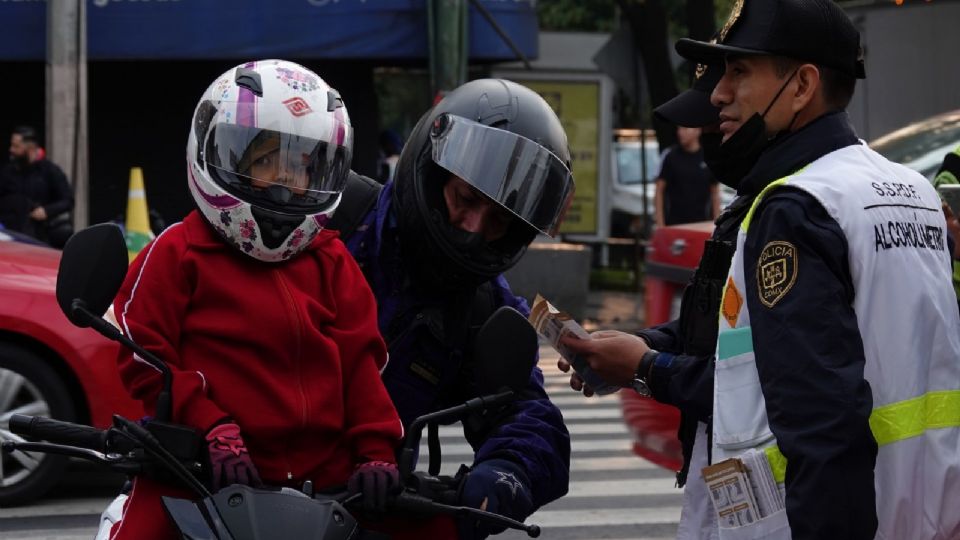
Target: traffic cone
<point x="138" y="233"/>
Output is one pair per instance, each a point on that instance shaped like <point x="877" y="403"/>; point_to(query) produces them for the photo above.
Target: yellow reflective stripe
<point x="895" y="422"/>
<point x="745" y="224"/>
<point x="778" y="463"/>
<point x="911" y="417"/>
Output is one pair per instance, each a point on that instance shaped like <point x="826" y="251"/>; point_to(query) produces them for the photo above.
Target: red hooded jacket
<point x="290" y="351"/>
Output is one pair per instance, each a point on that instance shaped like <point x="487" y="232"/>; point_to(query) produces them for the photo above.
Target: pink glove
<point x="230" y="461"/>
<point x="376" y="481"/>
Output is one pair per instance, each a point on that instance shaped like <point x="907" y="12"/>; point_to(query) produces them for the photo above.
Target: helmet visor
<point x="515" y="172"/>
<point x="277" y="169"/>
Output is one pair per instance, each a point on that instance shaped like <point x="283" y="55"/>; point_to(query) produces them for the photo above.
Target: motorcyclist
<point x="265" y="321"/>
<point x="483" y="172"/>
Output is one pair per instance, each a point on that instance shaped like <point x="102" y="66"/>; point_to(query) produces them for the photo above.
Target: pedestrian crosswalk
<point x="613" y="494"/>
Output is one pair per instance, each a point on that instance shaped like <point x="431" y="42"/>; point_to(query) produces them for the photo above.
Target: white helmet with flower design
<point x="267" y="157"/>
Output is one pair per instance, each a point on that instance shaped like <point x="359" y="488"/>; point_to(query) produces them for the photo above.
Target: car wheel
<point x="28" y="385"/>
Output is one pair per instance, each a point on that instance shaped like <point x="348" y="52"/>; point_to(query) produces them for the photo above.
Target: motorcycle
<point x="92" y="268"/>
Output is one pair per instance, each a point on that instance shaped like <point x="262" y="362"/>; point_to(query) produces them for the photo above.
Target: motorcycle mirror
<point x="92" y="268"/>
<point x="505" y="351"/>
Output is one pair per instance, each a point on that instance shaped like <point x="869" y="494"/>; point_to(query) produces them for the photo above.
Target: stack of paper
<point x="731" y="493"/>
<point x="553" y="324"/>
<point x="765" y="488"/>
<point x="743" y="489"/>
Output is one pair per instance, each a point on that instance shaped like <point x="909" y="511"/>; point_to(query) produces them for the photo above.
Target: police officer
<point x="838" y="336"/>
<point x="483" y="172"/>
<point x="678" y="357"/>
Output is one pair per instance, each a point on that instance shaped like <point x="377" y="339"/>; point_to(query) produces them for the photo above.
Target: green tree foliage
<point x="578" y="15"/>
<point x="657" y="24"/>
<point x="603" y="15"/>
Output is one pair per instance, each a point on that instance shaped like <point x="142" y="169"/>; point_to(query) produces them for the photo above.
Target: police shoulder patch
<point x="776" y="271"/>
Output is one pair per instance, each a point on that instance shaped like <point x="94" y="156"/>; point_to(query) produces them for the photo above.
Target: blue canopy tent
<point x="149" y="61"/>
<point x="241" y="29"/>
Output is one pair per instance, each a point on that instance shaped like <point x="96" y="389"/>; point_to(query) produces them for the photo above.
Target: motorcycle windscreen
<point x="515" y="172"/>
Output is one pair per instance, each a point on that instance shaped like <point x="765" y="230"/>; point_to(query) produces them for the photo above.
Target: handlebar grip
<point x="411" y="502"/>
<point x="59" y="432"/>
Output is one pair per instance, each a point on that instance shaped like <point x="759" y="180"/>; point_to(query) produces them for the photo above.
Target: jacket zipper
<point x="298" y="327"/>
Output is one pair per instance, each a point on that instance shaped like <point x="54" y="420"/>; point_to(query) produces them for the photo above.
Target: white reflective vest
<point x="910" y="328"/>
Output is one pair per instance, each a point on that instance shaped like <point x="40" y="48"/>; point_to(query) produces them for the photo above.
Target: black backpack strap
<point x="359" y="195"/>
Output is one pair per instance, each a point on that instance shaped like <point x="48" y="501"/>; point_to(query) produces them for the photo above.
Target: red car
<point x="674" y="252"/>
<point x="48" y="367"/>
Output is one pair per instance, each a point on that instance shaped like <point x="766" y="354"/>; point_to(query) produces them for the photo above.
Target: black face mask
<point x="730" y="161"/>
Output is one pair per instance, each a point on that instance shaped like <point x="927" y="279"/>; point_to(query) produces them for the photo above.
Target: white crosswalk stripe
<point x="619" y="463"/>
<point x="576" y="400"/>
<point x="612" y="494"/>
<point x="578" y="446"/>
<point x="84" y="533"/>
<point x="618" y="488"/>
<point x="604" y="517"/>
<point x="57" y="507"/>
<point x="605" y="413"/>
<point x="600" y="428"/>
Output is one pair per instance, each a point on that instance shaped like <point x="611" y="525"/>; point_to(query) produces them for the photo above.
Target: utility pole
<point x="66" y="124"/>
<point x="447" y="35"/>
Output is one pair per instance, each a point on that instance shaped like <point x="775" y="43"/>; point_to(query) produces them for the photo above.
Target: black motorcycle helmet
<point x="505" y="141"/>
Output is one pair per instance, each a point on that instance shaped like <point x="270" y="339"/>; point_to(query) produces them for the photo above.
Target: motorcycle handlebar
<point x="59" y="432"/>
<point x="127" y="447"/>
<point x="66" y="434"/>
<point x="419" y="504"/>
<point x="440" y="503"/>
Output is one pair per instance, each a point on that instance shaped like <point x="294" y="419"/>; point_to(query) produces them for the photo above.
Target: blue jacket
<point x="427" y="359"/>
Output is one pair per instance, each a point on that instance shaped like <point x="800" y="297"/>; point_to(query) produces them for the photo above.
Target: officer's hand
<point x="575" y="381"/>
<point x="496" y="485"/>
<point x="613" y="355"/>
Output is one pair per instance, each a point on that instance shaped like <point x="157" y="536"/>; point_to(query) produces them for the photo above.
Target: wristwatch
<point x="639" y="383"/>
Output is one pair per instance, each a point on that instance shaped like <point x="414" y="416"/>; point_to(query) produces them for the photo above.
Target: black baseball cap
<point x="692" y="108"/>
<point x="815" y="31"/>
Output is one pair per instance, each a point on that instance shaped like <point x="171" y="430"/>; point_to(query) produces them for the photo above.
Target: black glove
<point x="499" y="486"/>
<point x="230" y="461"/>
<point x="376" y="481"/>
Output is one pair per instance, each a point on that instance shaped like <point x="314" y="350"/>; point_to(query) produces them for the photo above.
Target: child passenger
<point x="264" y="318"/>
